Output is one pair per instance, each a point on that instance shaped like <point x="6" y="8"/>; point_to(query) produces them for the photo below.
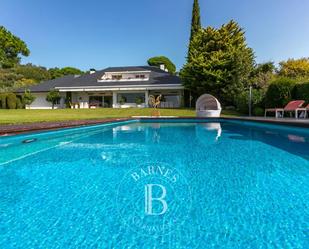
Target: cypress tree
<point x="195" y="23"/>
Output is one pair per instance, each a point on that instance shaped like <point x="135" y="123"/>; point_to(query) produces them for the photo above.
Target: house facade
<point x="117" y="87"/>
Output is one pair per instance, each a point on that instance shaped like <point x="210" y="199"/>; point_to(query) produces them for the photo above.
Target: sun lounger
<point x="303" y="112"/>
<point x="292" y="106"/>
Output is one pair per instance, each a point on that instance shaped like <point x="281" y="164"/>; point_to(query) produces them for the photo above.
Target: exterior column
<point x="182" y="99"/>
<point x="146" y="98"/>
<point x="114" y="99"/>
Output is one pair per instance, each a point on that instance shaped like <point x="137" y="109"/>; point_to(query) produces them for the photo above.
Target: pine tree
<point x="195" y="23"/>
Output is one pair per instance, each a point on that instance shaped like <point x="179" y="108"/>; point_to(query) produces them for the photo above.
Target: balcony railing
<point x="122" y="79"/>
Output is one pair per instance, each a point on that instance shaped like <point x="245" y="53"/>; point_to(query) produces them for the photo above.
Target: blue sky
<point x="98" y="34"/>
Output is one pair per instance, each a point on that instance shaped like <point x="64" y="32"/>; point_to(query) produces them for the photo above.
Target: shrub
<point x="258" y="111"/>
<point x="139" y="100"/>
<point x="242" y="100"/>
<point x="2" y="100"/>
<point x="11" y="101"/>
<point x="301" y="91"/>
<point x="279" y="92"/>
<point x="53" y="96"/>
<point x="28" y="98"/>
<point x="19" y="103"/>
<point x="230" y="108"/>
<point x="122" y="100"/>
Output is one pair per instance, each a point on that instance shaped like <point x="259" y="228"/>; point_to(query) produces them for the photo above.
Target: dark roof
<point x="49" y="84"/>
<point x="157" y="76"/>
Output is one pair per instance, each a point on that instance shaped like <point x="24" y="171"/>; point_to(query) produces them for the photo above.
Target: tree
<point x="7" y="79"/>
<point x="11" y="101"/>
<point x="279" y="92"/>
<point x="195" y="22"/>
<point x="28" y="98"/>
<point x="10" y="48"/>
<point x="22" y="76"/>
<point x="30" y="71"/>
<point x="159" y="60"/>
<point x="60" y="72"/>
<point x="242" y="100"/>
<point x="53" y="96"/>
<point x="220" y="63"/>
<point x="260" y="78"/>
<point x="296" y="69"/>
<point x="29" y="74"/>
<point x="262" y="75"/>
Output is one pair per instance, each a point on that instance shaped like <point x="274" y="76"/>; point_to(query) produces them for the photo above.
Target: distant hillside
<point x="28" y="75"/>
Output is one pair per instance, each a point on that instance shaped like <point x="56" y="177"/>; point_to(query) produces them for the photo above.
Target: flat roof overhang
<point x="120" y="88"/>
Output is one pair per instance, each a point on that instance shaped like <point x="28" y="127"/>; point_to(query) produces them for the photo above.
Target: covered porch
<point x="123" y="99"/>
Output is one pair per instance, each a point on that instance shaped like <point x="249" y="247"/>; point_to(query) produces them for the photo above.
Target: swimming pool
<point x="224" y="184"/>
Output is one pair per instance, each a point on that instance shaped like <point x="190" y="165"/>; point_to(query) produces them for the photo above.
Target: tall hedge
<point x="301" y="91"/>
<point x="2" y="101"/>
<point x="279" y="93"/>
<point x="11" y="101"/>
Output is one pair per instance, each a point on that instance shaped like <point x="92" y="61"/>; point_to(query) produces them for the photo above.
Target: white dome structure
<point x="208" y="106"/>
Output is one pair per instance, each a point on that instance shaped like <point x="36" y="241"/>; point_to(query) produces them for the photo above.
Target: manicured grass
<point x="29" y="116"/>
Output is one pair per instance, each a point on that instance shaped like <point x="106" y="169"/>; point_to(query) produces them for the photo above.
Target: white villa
<point x="117" y="87"/>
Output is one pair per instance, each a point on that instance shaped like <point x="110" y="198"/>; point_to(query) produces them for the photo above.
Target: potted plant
<point x="122" y="100"/>
<point x="139" y="101"/>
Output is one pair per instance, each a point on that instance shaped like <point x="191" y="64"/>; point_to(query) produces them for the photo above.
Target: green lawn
<point x="29" y="116"/>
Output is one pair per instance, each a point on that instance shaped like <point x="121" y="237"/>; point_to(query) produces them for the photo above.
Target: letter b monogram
<point x="149" y="199"/>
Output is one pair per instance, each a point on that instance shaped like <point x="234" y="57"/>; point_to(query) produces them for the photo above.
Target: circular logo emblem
<point x="153" y="199"/>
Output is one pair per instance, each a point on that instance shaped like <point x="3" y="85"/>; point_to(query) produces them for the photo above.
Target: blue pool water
<point x="236" y="185"/>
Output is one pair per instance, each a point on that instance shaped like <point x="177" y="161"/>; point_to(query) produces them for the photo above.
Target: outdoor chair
<point x="292" y="106"/>
<point x="208" y="106"/>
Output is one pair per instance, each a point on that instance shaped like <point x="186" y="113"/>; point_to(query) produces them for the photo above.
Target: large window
<point x="101" y="101"/>
<point x="131" y="97"/>
<point x="116" y="77"/>
<point x="140" y="76"/>
<point x="95" y="101"/>
<point x="171" y="101"/>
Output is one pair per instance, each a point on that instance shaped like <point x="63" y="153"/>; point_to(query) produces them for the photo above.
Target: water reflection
<point x="143" y="134"/>
<point x="290" y="140"/>
<point x="296" y="139"/>
<point x="214" y="127"/>
<point x="156" y="132"/>
<point x="207" y="134"/>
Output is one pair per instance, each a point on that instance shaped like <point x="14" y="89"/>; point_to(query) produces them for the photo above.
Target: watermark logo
<point x="149" y="199"/>
<point x="154" y="199"/>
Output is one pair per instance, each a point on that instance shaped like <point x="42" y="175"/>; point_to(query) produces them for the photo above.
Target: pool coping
<point x="303" y="123"/>
<point x="8" y="130"/>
